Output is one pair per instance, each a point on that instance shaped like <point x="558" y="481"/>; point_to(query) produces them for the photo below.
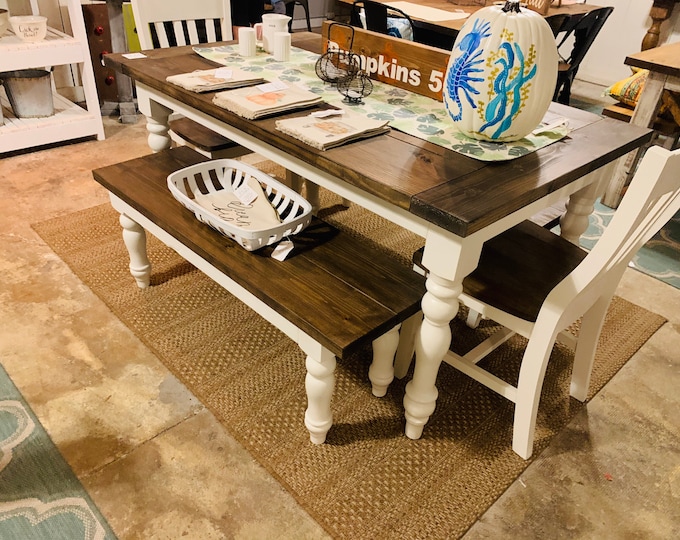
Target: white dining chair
<point x="536" y="284"/>
<point x="170" y="23"/>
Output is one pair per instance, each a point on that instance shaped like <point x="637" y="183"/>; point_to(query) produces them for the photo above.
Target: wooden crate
<point x="540" y="6"/>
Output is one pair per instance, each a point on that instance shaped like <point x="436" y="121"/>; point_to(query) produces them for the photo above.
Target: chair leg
<point x="584" y="355"/>
<point x="305" y="6"/>
<point x="532" y="373"/>
<point x="290" y="10"/>
<point x="381" y="372"/>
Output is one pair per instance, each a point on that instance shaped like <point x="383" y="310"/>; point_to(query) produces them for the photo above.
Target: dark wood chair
<point x="290" y="9"/>
<point x="584" y="31"/>
<point x="375" y="16"/>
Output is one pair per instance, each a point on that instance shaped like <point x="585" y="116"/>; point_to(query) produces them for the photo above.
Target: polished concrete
<point x="159" y="465"/>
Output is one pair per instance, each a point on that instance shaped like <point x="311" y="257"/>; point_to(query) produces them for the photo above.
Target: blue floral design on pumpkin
<point x="513" y="76"/>
<point x="460" y="78"/>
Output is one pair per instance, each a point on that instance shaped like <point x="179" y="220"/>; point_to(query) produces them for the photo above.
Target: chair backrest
<point x="584" y="31"/>
<point x="378" y="17"/>
<point x="651" y="200"/>
<point x="169" y="23"/>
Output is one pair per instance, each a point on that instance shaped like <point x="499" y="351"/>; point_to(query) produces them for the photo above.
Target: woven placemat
<point x="368" y="480"/>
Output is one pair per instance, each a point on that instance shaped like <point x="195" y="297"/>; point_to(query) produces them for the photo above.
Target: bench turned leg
<point x="381" y="372"/>
<point x="134" y="237"/>
<point x="319" y="383"/>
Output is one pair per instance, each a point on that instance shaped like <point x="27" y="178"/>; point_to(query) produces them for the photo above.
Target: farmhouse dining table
<point x="453" y="201"/>
<point x="436" y="21"/>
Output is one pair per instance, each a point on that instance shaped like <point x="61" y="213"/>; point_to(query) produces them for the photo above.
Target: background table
<point x="663" y="64"/>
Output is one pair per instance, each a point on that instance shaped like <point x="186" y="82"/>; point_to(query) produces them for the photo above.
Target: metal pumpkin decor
<point x="501" y="74"/>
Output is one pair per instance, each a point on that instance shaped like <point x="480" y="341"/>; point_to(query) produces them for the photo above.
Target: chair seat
<point x="518" y="269"/>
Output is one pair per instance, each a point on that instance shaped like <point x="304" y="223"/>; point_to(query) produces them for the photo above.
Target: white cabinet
<point x="70" y="120"/>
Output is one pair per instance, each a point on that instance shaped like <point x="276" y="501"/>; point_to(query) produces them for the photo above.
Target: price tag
<point x="224" y="73"/>
<point x="272" y="86"/>
<point x="245" y="194"/>
<point x="282" y="250"/>
<point x="326" y="113"/>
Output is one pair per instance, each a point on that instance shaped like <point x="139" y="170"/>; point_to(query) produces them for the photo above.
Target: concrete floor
<point x="161" y="466"/>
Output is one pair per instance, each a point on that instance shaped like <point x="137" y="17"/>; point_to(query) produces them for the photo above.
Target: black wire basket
<point x="355" y="87"/>
<point x="336" y="65"/>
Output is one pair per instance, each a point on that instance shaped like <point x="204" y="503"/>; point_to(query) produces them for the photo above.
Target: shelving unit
<point x="70" y="120"/>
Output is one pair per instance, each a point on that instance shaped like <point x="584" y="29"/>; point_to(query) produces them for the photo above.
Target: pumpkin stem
<point x="511" y="5"/>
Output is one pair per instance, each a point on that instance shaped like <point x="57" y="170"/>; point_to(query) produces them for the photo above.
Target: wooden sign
<point x="398" y="62"/>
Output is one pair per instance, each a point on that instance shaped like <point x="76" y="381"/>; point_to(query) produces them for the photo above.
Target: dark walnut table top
<point x="453" y="191"/>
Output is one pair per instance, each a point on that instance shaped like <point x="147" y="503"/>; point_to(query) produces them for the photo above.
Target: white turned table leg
<point x="156" y="120"/>
<point x="440" y="305"/>
<point x="581" y="204"/>
<point x="134" y="237"/>
<point x="319" y="383"/>
<point x="381" y="372"/>
<point x="158" y="138"/>
<point x="295" y="181"/>
<point x="312" y="195"/>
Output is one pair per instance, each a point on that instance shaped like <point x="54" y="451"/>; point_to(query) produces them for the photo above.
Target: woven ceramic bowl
<point x="29" y="27"/>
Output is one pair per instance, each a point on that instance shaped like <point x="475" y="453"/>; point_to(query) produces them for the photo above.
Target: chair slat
<point x="178" y="28"/>
<point x="162" y="34"/>
<point x="210" y="30"/>
<point x="193" y="32"/>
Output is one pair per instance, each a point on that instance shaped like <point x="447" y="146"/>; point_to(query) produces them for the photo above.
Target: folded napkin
<point x="256" y="215"/>
<point x="215" y="79"/>
<point x="265" y="100"/>
<point x="324" y="130"/>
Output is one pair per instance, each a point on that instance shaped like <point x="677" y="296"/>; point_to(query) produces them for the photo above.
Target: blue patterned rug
<point x="40" y="497"/>
<point x="659" y="258"/>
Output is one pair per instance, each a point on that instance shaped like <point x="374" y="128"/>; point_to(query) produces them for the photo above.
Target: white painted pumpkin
<point x="501" y="74"/>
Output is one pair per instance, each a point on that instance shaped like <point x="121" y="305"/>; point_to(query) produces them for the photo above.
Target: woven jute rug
<point x="368" y="480"/>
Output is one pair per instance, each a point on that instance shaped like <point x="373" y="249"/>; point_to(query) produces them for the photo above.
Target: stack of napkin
<point x="265" y="99"/>
<point x="215" y="79"/>
<point x="327" y="129"/>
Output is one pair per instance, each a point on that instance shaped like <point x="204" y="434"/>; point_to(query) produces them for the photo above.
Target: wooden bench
<point x="334" y="294"/>
<point x="205" y="140"/>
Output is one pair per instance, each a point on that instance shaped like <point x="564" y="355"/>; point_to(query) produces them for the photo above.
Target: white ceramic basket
<point x="209" y="177"/>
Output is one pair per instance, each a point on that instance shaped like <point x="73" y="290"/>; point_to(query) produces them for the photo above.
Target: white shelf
<point x="58" y="47"/>
<point x="70" y="121"/>
<point x="68" y="118"/>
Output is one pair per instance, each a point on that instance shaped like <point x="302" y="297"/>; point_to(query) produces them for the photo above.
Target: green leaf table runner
<point x="406" y="111"/>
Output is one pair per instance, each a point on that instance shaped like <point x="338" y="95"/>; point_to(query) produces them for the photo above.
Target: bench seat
<point x="332" y="295"/>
